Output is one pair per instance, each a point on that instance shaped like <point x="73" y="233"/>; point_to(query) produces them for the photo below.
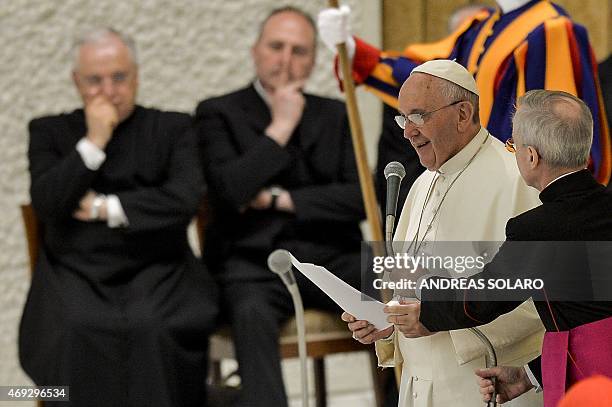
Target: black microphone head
<point x="279" y="261"/>
<point x="395" y="168"/>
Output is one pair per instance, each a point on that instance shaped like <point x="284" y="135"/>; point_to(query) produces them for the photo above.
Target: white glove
<point x="335" y="28"/>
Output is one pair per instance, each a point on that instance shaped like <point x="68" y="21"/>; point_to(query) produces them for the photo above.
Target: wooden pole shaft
<point x="365" y="176"/>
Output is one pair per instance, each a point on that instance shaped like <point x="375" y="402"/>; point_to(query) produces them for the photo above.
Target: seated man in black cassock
<point x="282" y="174"/>
<point x="119" y="308"/>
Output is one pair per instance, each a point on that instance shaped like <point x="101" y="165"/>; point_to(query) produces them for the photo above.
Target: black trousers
<point x="257" y="308"/>
<point x="141" y="343"/>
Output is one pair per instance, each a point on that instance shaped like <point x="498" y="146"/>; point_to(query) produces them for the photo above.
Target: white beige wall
<point x="188" y="50"/>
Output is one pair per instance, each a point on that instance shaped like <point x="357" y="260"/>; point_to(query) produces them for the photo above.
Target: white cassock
<point x="438" y="370"/>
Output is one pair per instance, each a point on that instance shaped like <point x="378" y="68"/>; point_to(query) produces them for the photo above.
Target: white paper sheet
<point x="349" y="299"/>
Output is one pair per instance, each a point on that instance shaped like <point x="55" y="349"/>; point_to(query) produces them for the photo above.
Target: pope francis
<point x="470" y="189"/>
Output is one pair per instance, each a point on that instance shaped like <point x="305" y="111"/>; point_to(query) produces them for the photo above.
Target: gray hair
<point x="100" y="35"/>
<point x="557" y="124"/>
<point x="453" y="92"/>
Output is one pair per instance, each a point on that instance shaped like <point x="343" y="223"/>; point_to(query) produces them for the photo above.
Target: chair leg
<point x="320" y="385"/>
<point x="378" y="378"/>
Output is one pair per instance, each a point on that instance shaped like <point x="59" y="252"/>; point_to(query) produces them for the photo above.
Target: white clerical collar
<point x="561" y="176"/>
<point x="461" y="159"/>
<point x="261" y="91"/>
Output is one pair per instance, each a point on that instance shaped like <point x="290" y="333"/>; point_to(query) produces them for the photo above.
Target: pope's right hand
<point x="101" y="118"/>
<point x="334" y="28"/>
<point x="363" y="331"/>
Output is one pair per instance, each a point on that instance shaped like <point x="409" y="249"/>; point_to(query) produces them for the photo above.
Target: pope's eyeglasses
<point x="418" y="119"/>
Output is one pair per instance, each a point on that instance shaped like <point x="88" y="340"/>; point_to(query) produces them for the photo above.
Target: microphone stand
<point x="299" y="322"/>
<point x="279" y="262"/>
<point x="490" y="361"/>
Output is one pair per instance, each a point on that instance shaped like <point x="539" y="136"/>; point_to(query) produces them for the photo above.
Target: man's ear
<point x="466" y="112"/>
<point x="534" y="157"/>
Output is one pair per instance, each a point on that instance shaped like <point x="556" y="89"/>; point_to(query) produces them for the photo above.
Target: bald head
<point x="290" y="9"/>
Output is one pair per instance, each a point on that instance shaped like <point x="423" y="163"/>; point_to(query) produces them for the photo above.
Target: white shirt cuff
<point x="114" y="210"/>
<point x="92" y="156"/>
<point x="532" y="379"/>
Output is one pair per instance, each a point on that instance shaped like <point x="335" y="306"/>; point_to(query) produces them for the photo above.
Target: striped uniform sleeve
<point x="380" y="72"/>
<point x="383" y="73"/>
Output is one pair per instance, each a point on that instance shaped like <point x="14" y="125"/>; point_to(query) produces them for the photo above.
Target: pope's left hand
<point x="405" y="317"/>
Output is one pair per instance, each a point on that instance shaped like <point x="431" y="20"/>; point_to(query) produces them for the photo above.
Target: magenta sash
<point x="591" y="348"/>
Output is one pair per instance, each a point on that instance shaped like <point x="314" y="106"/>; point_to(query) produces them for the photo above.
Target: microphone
<point x="394" y="173"/>
<point x="279" y="262"/>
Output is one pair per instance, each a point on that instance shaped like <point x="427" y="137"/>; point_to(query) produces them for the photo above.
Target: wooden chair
<point x="326" y="334"/>
<point x="33" y="230"/>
